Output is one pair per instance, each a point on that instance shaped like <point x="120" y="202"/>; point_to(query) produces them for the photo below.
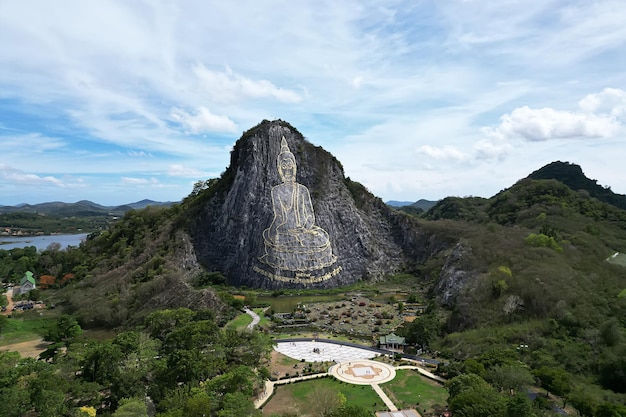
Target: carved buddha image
<point x="292" y="241"/>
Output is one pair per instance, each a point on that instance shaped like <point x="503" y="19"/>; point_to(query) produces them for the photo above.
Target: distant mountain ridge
<point x="419" y="204"/>
<point x="80" y="208"/>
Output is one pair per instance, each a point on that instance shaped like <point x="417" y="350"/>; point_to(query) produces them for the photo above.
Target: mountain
<point x="572" y="175"/>
<point x="323" y="230"/>
<point x="394" y="203"/>
<point x="83" y="208"/>
<point x="420" y="205"/>
<point x="525" y="283"/>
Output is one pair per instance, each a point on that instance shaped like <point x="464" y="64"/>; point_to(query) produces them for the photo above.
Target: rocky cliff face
<point x="257" y="227"/>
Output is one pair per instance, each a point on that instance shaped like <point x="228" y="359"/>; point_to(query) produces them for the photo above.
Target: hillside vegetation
<point x="521" y="294"/>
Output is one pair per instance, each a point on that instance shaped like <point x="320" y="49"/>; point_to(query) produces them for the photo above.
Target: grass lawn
<point x="30" y="325"/>
<point x="409" y="388"/>
<point x="297" y="395"/>
<point x="240" y="322"/>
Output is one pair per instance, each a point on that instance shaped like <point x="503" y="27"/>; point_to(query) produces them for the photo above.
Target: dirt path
<point x="30" y="349"/>
<point x="9" y="295"/>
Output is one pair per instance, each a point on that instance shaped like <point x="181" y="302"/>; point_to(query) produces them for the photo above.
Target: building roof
<point x="28" y="277"/>
<point x="392" y="339"/>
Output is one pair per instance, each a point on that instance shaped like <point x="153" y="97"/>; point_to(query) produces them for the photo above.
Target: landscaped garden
<point x="411" y="390"/>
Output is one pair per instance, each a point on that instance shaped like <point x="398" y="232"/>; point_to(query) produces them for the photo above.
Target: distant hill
<point x="420" y="204"/>
<point x="394" y="203"/>
<point x="83" y="208"/>
<point x="572" y="175"/>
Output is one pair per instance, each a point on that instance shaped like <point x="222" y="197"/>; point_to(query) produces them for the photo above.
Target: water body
<point x="41" y="242"/>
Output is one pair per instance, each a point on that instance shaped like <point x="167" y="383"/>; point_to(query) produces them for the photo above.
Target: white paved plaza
<point x="363" y="372"/>
<point x="322" y="352"/>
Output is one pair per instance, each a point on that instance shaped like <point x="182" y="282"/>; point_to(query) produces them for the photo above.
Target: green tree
<point x="423" y="330"/>
<point x="582" y="401"/>
<point x="64" y="329"/>
<point x="519" y="406"/>
<point x="348" y="410"/>
<point x="481" y="401"/>
<point x="512" y="378"/>
<point x="131" y="407"/>
<point x="554" y="380"/>
<point x="610" y="410"/>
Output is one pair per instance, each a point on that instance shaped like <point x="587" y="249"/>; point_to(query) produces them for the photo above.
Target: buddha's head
<point x="286" y="163"/>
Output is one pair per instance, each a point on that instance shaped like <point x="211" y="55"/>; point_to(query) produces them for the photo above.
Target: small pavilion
<point x="392" y="342"/>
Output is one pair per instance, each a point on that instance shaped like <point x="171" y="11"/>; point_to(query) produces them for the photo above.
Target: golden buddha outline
<point x="292" y="241"/>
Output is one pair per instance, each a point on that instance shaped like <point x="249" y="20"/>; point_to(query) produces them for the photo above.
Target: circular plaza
<point x="363" y="372"/>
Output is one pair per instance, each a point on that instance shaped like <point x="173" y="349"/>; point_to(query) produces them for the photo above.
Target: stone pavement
<point x="322" y="352"/>
<point x="363" y="372"/>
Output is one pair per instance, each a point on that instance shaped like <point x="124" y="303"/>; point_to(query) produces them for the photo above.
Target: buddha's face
<point x="287" y="170"/>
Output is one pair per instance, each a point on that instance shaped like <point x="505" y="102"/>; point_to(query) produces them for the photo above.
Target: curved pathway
<point x="269" y="386"/>
<point x="9" y="296"/>
<point x="255" y="318"/>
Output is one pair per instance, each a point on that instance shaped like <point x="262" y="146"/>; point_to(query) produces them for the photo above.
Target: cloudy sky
<point x="117" y="101"/>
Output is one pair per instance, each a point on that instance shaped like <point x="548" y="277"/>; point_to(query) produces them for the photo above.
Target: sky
<point x="122" y="100"/>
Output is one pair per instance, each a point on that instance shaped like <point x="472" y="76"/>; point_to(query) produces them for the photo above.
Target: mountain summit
<point x="283" y="215"/>
<point x="572" y="175"/>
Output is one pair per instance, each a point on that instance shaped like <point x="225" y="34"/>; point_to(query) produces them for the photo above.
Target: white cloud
<point x="230" y="86"/>
<point x="177" y="170"/>
<point x="490" y="150"/>
<point x="442" y="153"/>
<point x="14" y="177"/>
<point x="202" y="121"/>
<point x="610" y="101"/>
<point x="547" y="123"/>
<point x="139" y="181"/>
<point x="357" y="82"/>
<point x="139" y="154"/>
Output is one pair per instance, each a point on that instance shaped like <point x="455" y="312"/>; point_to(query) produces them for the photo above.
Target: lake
<point x="41" y="242"/>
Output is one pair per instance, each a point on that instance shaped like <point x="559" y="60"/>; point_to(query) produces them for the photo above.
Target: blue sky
<point x="117" y="101"/>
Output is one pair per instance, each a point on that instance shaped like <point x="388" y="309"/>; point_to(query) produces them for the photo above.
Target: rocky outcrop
<point x="455" y="275"/>
<point x="255" y="229"/>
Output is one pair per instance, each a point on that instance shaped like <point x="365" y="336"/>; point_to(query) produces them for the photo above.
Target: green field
<point x="362" y="395"/>
<point x="410" y="390"/>
<point x="240" y="322"/>
<point x="23" y="327"/>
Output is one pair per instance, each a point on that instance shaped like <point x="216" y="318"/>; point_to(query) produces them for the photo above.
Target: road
<point x="9" y="295"/>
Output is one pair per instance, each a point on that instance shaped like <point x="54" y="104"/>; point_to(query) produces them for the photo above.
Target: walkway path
<point x="9" y="296"/>
<point x="390" y="405"/>
<point x="423" y="372"/>
<point x="255" y="318"/>
<point x="269" y="386"/>
<point x="353" y="366"/>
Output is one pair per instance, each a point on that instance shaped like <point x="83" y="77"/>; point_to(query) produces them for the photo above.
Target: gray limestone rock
<point x="256" y="226"/>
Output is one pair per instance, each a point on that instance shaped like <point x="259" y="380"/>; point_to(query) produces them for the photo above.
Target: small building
<point x="27" y="283"/>
<point x="392" y="342"/>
